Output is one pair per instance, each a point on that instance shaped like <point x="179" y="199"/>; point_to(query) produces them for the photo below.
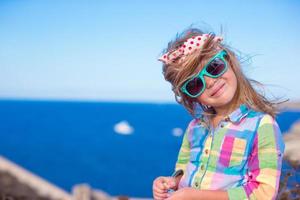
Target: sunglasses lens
<point x="216" y="67"/>
<point x="194" y="86"/>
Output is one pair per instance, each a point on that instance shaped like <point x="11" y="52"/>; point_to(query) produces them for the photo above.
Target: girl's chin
<point x="221" y="101"/>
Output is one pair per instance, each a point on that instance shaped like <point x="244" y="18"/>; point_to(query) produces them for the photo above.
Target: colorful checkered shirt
<point x="242" y="155"/>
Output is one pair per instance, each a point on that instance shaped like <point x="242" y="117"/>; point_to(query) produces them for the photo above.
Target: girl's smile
<point x="218" y="90"/>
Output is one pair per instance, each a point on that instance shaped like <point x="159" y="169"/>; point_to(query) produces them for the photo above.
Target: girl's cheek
<point x="200" y="99"/>
<point x="203" y="98"/>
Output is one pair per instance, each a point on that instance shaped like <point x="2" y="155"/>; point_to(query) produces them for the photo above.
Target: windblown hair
<point x="178" y="72"/>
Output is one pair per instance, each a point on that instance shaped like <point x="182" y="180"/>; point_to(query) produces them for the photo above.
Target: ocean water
<point x="69" y="143"/>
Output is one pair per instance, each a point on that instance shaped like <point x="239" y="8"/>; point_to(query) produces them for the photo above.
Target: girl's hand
<point x="161" y="185"/>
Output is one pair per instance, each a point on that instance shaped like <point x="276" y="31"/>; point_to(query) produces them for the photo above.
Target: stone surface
<point x="292" y="143"/>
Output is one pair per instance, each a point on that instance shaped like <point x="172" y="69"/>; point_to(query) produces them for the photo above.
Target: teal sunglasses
<point x="215" y="68"/>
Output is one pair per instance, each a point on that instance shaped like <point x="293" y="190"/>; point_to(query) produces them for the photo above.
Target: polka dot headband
<point x="191" y="45"/>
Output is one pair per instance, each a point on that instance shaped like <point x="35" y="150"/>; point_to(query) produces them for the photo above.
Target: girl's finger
<point x="161" y="184"/>
<point x="170" y="182"/>
<point x="160" y="195"/>
<point x="158" y="190"/>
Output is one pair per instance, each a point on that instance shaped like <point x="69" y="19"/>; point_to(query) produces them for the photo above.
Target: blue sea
<point x="69" y="143"/>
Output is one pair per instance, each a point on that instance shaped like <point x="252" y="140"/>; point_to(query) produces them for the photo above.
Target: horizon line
<point x="88" y="100"/>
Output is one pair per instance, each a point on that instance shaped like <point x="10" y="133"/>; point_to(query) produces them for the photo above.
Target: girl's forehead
<point x="203" y="60"/>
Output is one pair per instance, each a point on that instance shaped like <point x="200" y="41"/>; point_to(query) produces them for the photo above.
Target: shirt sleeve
<point x="264" y="164"/>
<point x="184" y="152"/>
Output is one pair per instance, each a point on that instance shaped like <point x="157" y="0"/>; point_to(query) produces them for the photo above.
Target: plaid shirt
<point x="242" y="155"/>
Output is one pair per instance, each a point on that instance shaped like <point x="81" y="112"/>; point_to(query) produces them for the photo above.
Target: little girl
<point x="233" y="147"/>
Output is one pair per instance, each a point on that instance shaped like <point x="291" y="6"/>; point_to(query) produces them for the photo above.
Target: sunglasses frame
<point x="204" y="72"/>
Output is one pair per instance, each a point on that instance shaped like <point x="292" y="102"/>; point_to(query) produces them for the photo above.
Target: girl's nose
<point x="209" y="81"/>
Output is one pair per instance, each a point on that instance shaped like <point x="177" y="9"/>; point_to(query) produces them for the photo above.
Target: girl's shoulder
<point x="193" y="123"/>
<point x="267" y="119"/>
<point x="198" y="122"/>
<point x="263" y="122"/>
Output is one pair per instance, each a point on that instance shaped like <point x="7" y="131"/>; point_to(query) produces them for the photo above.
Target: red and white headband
<point x="191" y="45"/>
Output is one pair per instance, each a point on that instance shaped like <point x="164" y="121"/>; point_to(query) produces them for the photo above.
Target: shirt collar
<point x="235" y="117"/>
<point x="238" y="114"/>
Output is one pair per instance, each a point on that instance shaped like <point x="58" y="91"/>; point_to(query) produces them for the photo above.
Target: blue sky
<point x="108" y="50"/>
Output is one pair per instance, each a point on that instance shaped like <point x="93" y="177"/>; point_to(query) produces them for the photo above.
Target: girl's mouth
<point x="218" y="91"/>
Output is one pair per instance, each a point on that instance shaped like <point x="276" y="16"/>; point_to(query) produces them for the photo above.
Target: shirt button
<point x="206" y="151"/>
<point x="196" y="184"/>
<point x="202" y="167"/>
<point x="222" y="125"/>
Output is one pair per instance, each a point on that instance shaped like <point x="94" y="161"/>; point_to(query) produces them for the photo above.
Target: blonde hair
<point x="177" y="73"/>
